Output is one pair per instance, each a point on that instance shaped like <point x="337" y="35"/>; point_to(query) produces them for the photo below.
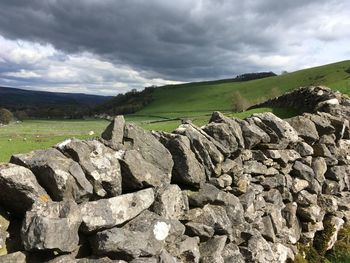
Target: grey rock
<point x="198" y="229"/>
<point x="211" y="250"/>
<point x="222" y="133"/>
<point x="321" y="150"/>
<point x="19" y="189"/>
<point x="62" y="177"/>
<point x="206" y="152"/>
<point x="323" y="125"/>
<point x="283" y="129"/>
<point x="231" y="254"/>
<point x="112" y="136"/>
<point x="331" y="187"/>
<point x="304" y="198"/>
<point x="137" y="173"/>
<point x="328" y="203"/>
<point x="170" y="202"/>
<point x="99" y="163"/>
<point x="106" y="213"/>
<point x="221" y="182"/>
<point x="136" y="138"/>
<point x="267" y="229"/>
<point x="98" y="260"/>
<point x="312" y="213"/>
<point x="304" y="149"/>
<point x="254" y="167"/>
<point x="340" y="174"/>
<point x="16" y="257"/>
<point x="186" y="250"/>
<point x="258" y="250"/>
<point x="126" y="244"/>
<point x="52" y="226"/>
<point x="4" y="225"/>
<point x="299" y="185"/>
<point x="305" y="172"/>
<point x="145" y="260"/>
<point x="187" y="170"/>
<point x="63" y="259"/>
<point x="283" y="156"/>
<point x="253" y="135"/>
<point x="233" y="124"/>
<point x="289" y="213"/>
<point x="305" y="128"/>
<point x="213" y="216"/>
<point x="320" y="167"/>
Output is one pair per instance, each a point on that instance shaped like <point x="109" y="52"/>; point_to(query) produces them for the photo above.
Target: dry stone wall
<point x="232" y="191"/>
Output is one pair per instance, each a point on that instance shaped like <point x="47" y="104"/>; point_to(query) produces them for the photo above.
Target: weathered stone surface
<point x="170" y="202"/>
<point x="213" y="216"/>
<point x="305" y="128"/>
<point x="206" y="152"/>
<point x="98" y="260"/>
<point x="186" y="250"/>
<point x="254" y="167"/>
<point x="312" y="213"/>
<point x="99" y="163"/>
<point x="19" y="189"/>
<point x="63" y="259"/>
<point x="319" y="166"/>
<point x="340" y="174"/>
<point x="323" y="125"/>
<point x="125" y="243"/>
<point x="200" y="230"/>
<point x="4" y="224"/>
<point x="233" y="124"/>
<point x="137" y="173"/>
<point x="222" y="133"/>
<point x="62" y="177"/>
<point x="258" y="250"/>
<point x="187" y="170"/>
<point x="304" y="149"/>
<point x="253" y="135"/>
<point x="52" y="226"/>
<point x="113" y="134"/>
<point x="283" y="129"/>
<point x="211" y="250"/>
<point x="136" y="138"/>
<point x="16" y="257"/>
<point x="305" y="172"/>
<point x="231" y="253"/>
<point x="106" y="213"/>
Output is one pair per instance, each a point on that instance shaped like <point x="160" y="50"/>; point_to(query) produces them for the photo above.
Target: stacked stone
<point x="232" y="191"/>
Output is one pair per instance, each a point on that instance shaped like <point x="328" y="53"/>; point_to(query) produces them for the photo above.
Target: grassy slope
<point x="198" y="99"/>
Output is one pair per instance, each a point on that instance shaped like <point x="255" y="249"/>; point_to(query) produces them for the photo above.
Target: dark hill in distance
<point x="19" y="98"/>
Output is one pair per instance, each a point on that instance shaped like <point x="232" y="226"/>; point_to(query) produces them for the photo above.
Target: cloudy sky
<point x="111" y="46"/>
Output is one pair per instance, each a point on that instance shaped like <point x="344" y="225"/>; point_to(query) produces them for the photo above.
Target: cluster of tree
<point x="252" y="76"/>
<point x="5" y="116"/>
<point x="127" y="103"/>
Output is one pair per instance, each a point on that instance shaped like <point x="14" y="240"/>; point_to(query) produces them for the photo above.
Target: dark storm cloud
<point x="177" y="40"/>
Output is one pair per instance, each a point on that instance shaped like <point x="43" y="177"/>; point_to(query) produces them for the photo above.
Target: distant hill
<point x="13" y="97"/>
<point x="200" y="98"/>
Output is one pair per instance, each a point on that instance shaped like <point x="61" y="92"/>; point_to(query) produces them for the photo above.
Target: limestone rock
<point x="170" y="202"/>
<point x="187" y="170"/>
<point x="253" y="135"/>
<point x="206" y="151"/>
<point x="137" y="173"/>
<point x="211" y="250"/>
<point x="106" y="213"/>
<point x="136" y="138"/>
<point x="19" y="189"/>
<point x="283" y="129"/>
<point x="99" y="163"/>
<point x="305" y="128"/>
<point x="112" y="136"/>
<point x="62" y="178"/>
<point x="53" y="226"/>
<point x="234" y="126"/>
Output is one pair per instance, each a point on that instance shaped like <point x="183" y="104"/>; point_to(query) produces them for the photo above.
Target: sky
<point x="106" y="47"/>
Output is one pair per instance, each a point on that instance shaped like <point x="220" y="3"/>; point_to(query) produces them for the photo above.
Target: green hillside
<point x="195" y="99"/>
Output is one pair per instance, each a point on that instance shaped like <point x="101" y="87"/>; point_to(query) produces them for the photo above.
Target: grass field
<point x="198" y="99"/>
<point x="194" y="101"/>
